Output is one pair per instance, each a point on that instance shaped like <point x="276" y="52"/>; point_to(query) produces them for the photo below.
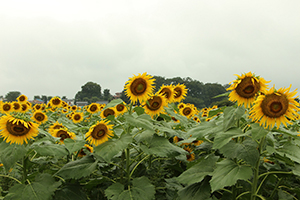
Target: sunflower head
<point x="168" y="92"/>
<point x="99" y="133"/>
<point x="275" y="106"/>
<point x="63" y="133"/>
<point x="6" y="107"/>
<point x="190" y="157"/>
<point x="139" y="88"/>
<point x="107" y="112"/>
<point x="180" y="92"/>
<point x="25" y="107"/>
<point x="120" y="108"/>
<point x="39" y="117"/>
<point x="246" y="88"/>
<point x="155" y="105"/>
<point x="55" y="126"/>
<point x="16" y="130"/>
<point x="187" y="111"/>
<point x="86" y="147"/>
<point x="55" y="102"/>
<point x="16" y="106"/>
<point x="77" y="117"/>
<point x="93" y="108"/>
<point x="22" y="98"/>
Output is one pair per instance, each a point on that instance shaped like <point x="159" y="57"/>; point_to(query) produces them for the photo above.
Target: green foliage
<point x="12" y="96"/>
<point x="10" y="154"/>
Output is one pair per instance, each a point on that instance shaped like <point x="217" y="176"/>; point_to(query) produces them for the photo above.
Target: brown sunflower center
<point x="138" y="86"/>
<point x="166" y="92"/>
<point x="17" y="129"/>
<point x="120" y="107"/>
<point x="274" y="105"/>
<point x="93" y="108"/>
<point x="178" y="92"/>
<point x="22" y="98"/>
<point x="39" y="117"/>
<point x="24" y="107"/>
<point x="186" y="111"/>
<point x="37" y="106"/>
<point x="77" y="117"/>
<point x="17" y="106"/>
<point x="56" y="101"/>
<point x="99" y="131"/>
<point x="6" y="107"/>
<point x="108" y="112"/>
<point x="154" y="103"/>
<point x="248" y="87"/>
<point x="58" y="126"/>
<point x="63" y="134"/>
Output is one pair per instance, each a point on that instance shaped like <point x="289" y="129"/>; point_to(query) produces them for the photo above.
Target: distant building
<point x="117" y="95"/>
<point x="82" y="103"/>
<point x="37" y="101"/>
<point x="102" y="102"/>
<point x="70" y="102"/>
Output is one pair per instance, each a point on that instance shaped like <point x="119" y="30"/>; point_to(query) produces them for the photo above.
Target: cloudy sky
<point x="54" y="47"/>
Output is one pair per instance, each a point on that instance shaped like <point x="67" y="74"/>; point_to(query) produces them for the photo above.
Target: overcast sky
<point x="54" y="47"/>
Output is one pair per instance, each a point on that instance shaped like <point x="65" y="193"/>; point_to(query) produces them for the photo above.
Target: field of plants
<point x="155" y="147"/>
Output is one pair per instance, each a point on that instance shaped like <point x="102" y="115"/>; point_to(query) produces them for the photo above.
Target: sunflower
<point x="168" y="92"/>
<point x="155" y="105"/>
<point x="190" y="157"/>
<point x="16" y="106"/>
<point x="93" y="108"/>
<point x="77" y="117"/>
<point x="55" y="102"/>
<point x="175" y="120"/>
<point x="16" y="130"/>
<point x="55" y="126"/>
<point x="176" y="139"/>
<point x="196" y="119"/>
<point x="108" y="111"/>
<point x="87" y="147"/>
<point x="6" y="107"/>
<point x="37" y="106"/>
<point x="187" y="111"/>
<point x="39" y="117"/>
<point x="120" y="108"/>
<point x="22" y="98"/>
<point x="65" y="110"/>
<point x="180" y="92"/>
<point x="74" y="108"/>
<point x="139" y="88"/>
<point x="25" y="107"/>
<point x="276" y="106"/>
<point x="99" y="133"/>
<point x="245" y="89"/>
<point x="63" y="133"/>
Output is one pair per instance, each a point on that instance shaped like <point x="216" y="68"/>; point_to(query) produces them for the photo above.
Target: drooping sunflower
<point x="25" y="107"/>
<point x="22" y="98"/>
<point x="55" y="102"/>
<point x="139" y="88"/>
<point x="39" y="117"/>
<point x="107" y="112"/>
<point x="77" y="117"/>
<point x="87" y="147"/>
<point x="275" y="106"/>
<point x="187" y="111"/>
<point x="168" y="92"/>
<point x="120" y="108"/>
<point x="190" y="157"/>
<point x="99" y="133"/>
<point x="55" y="126"/>
<point x="246" y="88"/>
<point x="37" y="106"/>
<point x="180" y="92"/>
<point x="155" y="105"/>
<point x="16" y="106"/>
<point x="176" y="139"/>
<point x="6" y="107"/>
<point x="63" y="133"/>
<point x="16" y="130"/>
<point x="93" y="108"/>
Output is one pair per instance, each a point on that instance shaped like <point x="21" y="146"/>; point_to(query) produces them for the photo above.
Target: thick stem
<point x="127" y="151"/>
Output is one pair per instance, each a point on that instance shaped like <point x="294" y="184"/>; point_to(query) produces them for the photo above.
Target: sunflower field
<point x="156" y="147"/>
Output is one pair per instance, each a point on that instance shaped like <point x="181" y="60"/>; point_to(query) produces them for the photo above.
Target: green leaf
<point x="113" y="103"/>
<point x="112" y="147"/>
<point x="246" y="151"/>
<point x="227" y="173"/>
<point x="70" y="192"/>
<point x="49" y="149"/>
<point x="196" y="191"/>
<point x="291" y="151"/>
<point x="231" y="116"/>
<point x="296" y="169"/>
<point x="42" y="188"/>
<point x="139" y="110"/>
<point x="144" y="135"/>
<point x="197" y="172"/>
<point x="74" y="145"/>
<point x="223" y="138"/>
<point x="203" y="129"/>
<point x="139" y="122"/>
<point x="11" y="153"/>
<point x="257" y="131"/>
<point x="79" y="168"/>
<point x="161" y="146"/>
<point x="141" y="189"/>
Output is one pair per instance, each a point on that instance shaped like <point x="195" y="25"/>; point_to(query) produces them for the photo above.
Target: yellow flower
<point x="155" y="105"/>
<point x="77" y="117"/>
<point x="55" y="102"/>
<point x="16" y="106"/>
<point x="180" y="92"/>
<point x="6" y="107"/>
<point x="108" y="111"/>
<point x="86" y="146"/>
<point x="245" y="89"/>
<point x="63" y="133"/>
<point x="187" y="110"/>
<point x="275" y="107"/>
<point x="93" y="108"/>
<point x="54" y="127"/>
<point x="22" y="98"/>
<point x="99" y="133"/>
<point x="168" y="92"/>
<point x="190" y="157"/>
<point x="39" y="117"/>
<point x="139" y="88"/>
<point x="16" y="130"/>
<point x="120" y="108"/>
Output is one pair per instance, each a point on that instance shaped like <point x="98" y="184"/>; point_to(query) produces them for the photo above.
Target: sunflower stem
<point x="128" y="165"/>
<point x="24" y="175"/>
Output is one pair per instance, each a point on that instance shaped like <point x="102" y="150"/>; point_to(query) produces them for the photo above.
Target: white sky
<point x="54" y="47"/>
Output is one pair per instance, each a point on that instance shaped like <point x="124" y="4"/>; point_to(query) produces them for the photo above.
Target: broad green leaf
<point x="197" y="172"/>
<point x="144" y="135"/>
<point x="113" y="103"/>
<point x="227" y="173"/>
<point x="257" y="131"/>
<point x="49" y="149"/>
<point x="109" y="149"/>
<point x="296" y="169"/>
<point x="139" y="122"/>
<point x="78" y="168"/>
<point x="196" y="191"/>
<point x="141" y="189"/>
<point x="231" y="116"/>
<point x="74" y="145"/>
<point x="247" y="151"/>
<point x="139" y="110"/>
<point x="161" y="146"/>
<point x="291" y="151"/>
<point x="70" y="192"/>
<point x="11" y="153"/>
<point x="223" y="138"/>
<point x="42" y="188"/>
<point x="204" y="129"/>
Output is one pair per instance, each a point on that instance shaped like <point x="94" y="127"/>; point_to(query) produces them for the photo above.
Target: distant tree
<point x="37" y="97"/>
<point x="106" y="95"/>
<point x="12" y="96"/>
<point x="49" y="97"/>
<point x="64" y="97"/>
<point x="93" y="100"/>
<point x="44" y="98"/>
<point x="89" y="90"/>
